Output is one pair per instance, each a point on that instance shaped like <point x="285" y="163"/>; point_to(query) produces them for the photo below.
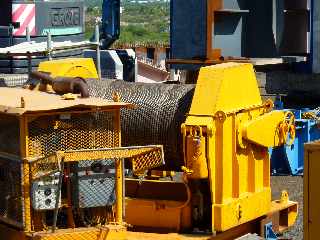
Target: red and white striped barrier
<point x="25" y="14"/>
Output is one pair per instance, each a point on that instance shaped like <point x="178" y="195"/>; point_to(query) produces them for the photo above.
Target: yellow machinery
<point x="70" y="67"/>
<point x="77" y="68"/>
<point x="61" y="167"/>
<point x="72" y="146"/>
<point x="227" y="134"/>
<point x="226" y="137"/>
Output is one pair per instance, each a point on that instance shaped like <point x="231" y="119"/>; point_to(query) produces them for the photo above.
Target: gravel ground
<point x="294" y="186"/>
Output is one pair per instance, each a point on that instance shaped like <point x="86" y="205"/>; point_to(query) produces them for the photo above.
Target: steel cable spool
<point x="161" y="109"/>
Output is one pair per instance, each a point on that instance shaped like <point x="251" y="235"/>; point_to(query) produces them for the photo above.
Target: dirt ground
<point x="294" y="186"/>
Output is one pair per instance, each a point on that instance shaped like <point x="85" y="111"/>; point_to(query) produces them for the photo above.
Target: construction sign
<point x="25" y="15"/>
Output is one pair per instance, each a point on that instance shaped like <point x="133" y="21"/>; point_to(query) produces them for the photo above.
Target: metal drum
<point x="161" y="109"/>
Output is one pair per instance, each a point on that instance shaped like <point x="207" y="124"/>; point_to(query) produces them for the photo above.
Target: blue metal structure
<point x="290" y="159"/>
<point x="110" y="29"/>
<point x="226" y="36"/>
<point x="269" y="233"/>
<point x="109" y="32"/>
<point x="246" y="28"/>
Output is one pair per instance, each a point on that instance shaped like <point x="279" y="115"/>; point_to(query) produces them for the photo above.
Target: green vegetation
<point x="140" y="22"/>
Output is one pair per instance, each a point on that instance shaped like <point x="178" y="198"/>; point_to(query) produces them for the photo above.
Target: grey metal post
<point x="49" y="45"/>
<point x="97" y="40"/>
<point x="28" y="38"/>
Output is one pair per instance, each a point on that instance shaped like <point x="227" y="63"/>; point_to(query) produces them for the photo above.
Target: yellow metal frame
<point x="223" y="143"/>
<point x="119" y="175"/>
<point x="25" y="172"/>
<point x="136" y="154"/>
<point x="107" y="232"/>
<point x="24" y="120"/>
<point x="28" y="232"/>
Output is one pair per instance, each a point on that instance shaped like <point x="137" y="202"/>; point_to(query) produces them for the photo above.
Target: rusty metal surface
<point x="34" y="101"/>
<point x="151" y="72"/>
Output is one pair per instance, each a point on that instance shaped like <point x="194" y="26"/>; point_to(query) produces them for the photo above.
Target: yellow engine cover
<point x="70" y="67"/>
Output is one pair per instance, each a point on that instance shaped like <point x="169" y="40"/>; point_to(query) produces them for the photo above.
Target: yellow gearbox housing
<point x="70" y="67"/>
<point x="226" y="137"/>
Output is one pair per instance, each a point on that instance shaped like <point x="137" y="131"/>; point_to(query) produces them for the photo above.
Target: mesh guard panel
<point x="48" y="134"/>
